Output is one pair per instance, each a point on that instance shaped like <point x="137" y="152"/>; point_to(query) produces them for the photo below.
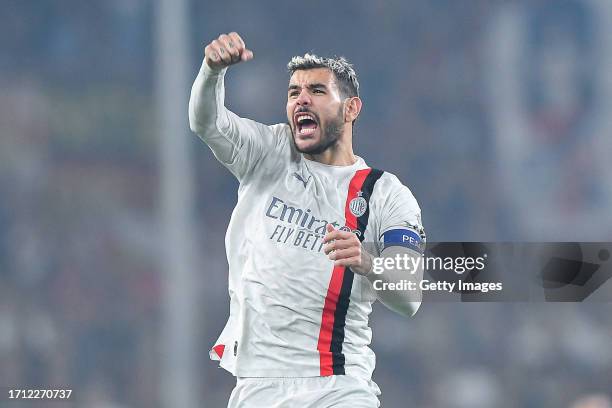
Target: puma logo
<point x="299" y="177"/>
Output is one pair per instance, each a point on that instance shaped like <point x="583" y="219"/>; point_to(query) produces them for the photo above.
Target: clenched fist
<point x="226" y="50"/>
<point x="344" y="248"/>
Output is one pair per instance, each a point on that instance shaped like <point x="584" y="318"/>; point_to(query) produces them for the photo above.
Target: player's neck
<point x="339" y="155"/>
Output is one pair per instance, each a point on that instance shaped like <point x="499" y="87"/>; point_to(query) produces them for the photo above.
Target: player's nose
<point x="303" y="98"/>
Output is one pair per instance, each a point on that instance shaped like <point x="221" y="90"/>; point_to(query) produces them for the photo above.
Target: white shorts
<point x="337" y="391"/>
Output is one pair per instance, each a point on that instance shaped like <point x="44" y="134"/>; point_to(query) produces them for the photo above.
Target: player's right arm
<point x="236" y="142"/>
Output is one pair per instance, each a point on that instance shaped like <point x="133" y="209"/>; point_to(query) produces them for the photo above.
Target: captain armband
<point x="411" y="237"/>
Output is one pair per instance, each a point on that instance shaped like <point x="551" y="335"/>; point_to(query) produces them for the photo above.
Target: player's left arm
<point x="402" y="242"/>
<point x="345" y="249"/>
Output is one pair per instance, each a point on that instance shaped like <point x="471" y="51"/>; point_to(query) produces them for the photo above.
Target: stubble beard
<point x="329" y="136"/>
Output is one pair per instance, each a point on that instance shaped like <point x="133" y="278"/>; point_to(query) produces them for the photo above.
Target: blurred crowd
<point x="80" y="287"/>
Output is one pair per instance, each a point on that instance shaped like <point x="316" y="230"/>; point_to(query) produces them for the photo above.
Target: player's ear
<point x="352" y="107"/>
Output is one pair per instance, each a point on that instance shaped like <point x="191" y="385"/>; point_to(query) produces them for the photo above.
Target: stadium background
<point x="493" y="112"/>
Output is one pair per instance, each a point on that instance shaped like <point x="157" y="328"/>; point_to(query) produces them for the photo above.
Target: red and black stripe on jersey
<point x="331" y="333"/>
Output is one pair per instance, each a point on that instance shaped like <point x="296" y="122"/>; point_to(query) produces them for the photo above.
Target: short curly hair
<point x="346" y="77"/>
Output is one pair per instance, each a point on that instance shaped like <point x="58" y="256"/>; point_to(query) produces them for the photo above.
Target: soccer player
<point x="300" y="276"/>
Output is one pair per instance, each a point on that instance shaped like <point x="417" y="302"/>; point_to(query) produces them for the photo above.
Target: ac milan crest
<point x="358" y="205"/>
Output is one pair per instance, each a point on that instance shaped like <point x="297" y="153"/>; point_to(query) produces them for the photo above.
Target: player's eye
<point x="293" y="94"/>
<point x="318" y="91"/>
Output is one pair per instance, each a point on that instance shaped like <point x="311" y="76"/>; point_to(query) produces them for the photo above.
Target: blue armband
<point x="404" y="237"/>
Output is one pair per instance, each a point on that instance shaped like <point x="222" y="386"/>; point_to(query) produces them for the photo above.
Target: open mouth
<point x="305" y="123"/>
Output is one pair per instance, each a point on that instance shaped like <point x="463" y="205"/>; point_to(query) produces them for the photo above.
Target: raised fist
<point x="226" y="50"/>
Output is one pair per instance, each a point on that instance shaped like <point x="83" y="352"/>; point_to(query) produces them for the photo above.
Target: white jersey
<point x="292" y="313"/>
